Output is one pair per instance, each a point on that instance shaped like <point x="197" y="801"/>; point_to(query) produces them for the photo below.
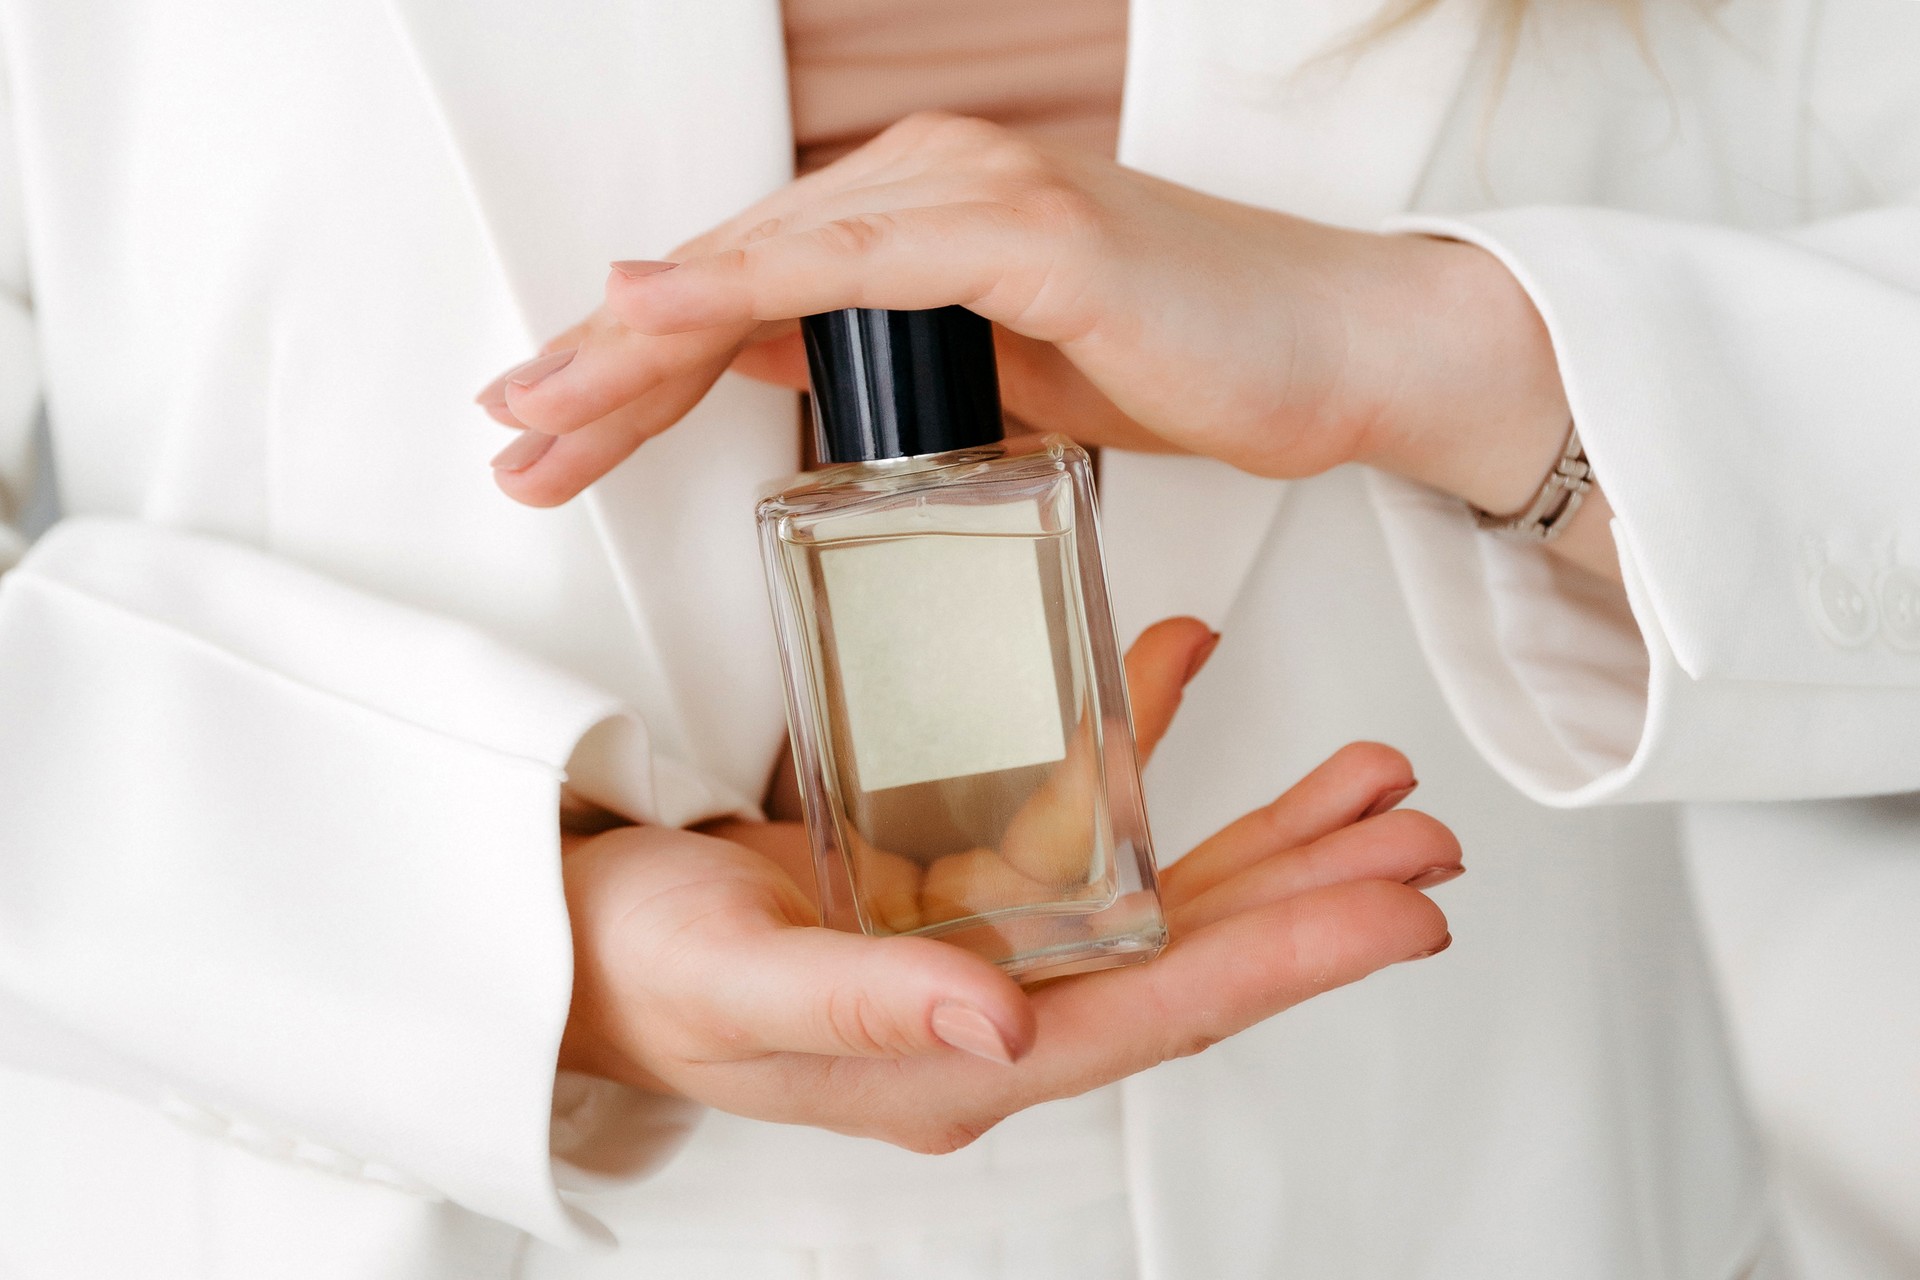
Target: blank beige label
<point x="944" y="656"/>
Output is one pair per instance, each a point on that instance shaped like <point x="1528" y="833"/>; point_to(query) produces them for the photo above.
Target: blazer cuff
<point x="289" y="854"/>
<point x="1546" y="673"/>
<point x="1739" y="501"/>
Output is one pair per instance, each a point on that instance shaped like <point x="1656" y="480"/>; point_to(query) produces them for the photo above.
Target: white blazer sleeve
<point x="281" y="857"/>
<point x="1751" y="405"/>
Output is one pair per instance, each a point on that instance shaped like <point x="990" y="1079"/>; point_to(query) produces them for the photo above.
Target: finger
<point x="1167" y="655"/>
<point x="611" y="367"/>
<point x="821" y="991"/>
<point x="493" y="396"/>
<point x="1404" y="847"/>
<point x="889" y="887"/>
<point x="1224" y="978"/>
<point x="785" y="844"/>
<point x="1041" y="388"/>
<point x="1359" y="778"/>
<point x="544" y="469"/>
<point x="780" y="359"/>
<point x="874" y="161"/>
<point x="987" y="255"/>
<point x="1094" y="1030"/>
<point x="979" y="882"/>
<point x="1050" y="840"/>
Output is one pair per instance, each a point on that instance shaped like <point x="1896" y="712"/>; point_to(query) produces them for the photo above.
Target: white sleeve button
<point x="259" y="1140"/>
<point x="388" y="1176"/>
<point x="265" y="1142"/>
<point x="192" y="1117"/>
<point x="332" y="1161"/>
<point x="1900" y="608"/>
<point x="1843" y="611"/>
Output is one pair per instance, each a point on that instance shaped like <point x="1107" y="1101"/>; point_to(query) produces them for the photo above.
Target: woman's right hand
<point x="700" y="968"/>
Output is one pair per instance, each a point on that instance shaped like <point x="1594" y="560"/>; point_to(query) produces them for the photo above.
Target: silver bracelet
<point x="1552" y="508"/>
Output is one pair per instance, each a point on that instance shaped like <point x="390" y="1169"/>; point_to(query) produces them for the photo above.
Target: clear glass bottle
<point x="954" y="681"/>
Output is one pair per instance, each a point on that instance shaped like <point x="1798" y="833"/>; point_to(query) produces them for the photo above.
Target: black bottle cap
<point x="894" y="384"/>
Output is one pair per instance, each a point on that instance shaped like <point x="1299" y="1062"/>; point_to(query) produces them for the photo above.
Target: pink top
<point x="1049" y="67"/>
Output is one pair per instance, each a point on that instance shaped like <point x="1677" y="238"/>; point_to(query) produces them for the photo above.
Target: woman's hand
<point x="700" y="969"/>
<point x="1132" y="312"/>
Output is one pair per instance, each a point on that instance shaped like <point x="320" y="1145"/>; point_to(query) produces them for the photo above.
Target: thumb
<point x="779" y="358"/>
<point x="848" y="995"/>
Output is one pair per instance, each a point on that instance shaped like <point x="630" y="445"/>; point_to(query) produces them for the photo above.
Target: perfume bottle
<point x="954" y="682"/>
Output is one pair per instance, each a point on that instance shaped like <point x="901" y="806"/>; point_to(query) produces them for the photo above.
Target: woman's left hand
<point x="1132" y="312"/>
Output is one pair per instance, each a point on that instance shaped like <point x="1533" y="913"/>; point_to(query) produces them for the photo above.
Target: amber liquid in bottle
<point x="958" y="706"/>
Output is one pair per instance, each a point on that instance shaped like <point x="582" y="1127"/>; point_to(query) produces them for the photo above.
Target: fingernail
<point x="1435" y="875"/>
<point x="1388" y="799"/>
<point x="525" y="374"/>
<point x="528" y="448"/>
<point x="965" y="1028"/>
<point x="502" y="415"/>
<point x="494" y="392"/>
<point x="1200" y="656"/>
<point x="1444" y="944"/>
<point x="520" y="377"/>
<point x="634" y="268"/>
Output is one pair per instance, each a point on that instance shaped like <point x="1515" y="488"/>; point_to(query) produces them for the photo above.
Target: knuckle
<point x="859" y="1022"/>
<point x="1195" y="1042"/>
<point x="860" y="233"/>
<point x="765" y="229"/>
<point x="1008" y="155"/>
<point x="919" y="125"/>
<point x="937" y="130"/>
<point x="1059" y="206"/>
<point x="964" y="132"/>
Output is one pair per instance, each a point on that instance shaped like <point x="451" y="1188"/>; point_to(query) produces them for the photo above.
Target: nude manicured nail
<point x="1444" y="944"/>
<point x="1435" y="875"/>
<point x="634" y="268"/>
<point x="1388" y="799"/>
<point x="501" y="414"/>
<point x="530" y="374"/>
<point x="1200" y="656"/>
<point x="527" y="449"/>
<point x="494" y="392"/>
<point x="965" y="1028"/>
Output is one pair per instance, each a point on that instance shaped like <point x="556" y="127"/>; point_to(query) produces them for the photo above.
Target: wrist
<point x="1477" y="408"/>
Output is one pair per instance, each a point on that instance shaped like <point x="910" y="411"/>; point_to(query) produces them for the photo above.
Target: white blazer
<point x="288" y="697"/>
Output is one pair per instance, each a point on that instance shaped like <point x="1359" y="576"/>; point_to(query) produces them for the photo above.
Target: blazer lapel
<point x="1240" y="98"/>
<point x="597" y="127"/>
<point x="590" y="130"/>
<point x="1258" y="102"/>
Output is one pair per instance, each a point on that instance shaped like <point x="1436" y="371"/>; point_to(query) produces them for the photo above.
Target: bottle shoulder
<point x="1014" y="465"/>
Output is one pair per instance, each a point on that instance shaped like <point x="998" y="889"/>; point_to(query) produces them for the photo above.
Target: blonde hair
<point x="1508" y="18"/>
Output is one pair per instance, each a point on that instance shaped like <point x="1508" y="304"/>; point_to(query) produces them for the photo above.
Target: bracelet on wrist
<point x="1547" y="516"/>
